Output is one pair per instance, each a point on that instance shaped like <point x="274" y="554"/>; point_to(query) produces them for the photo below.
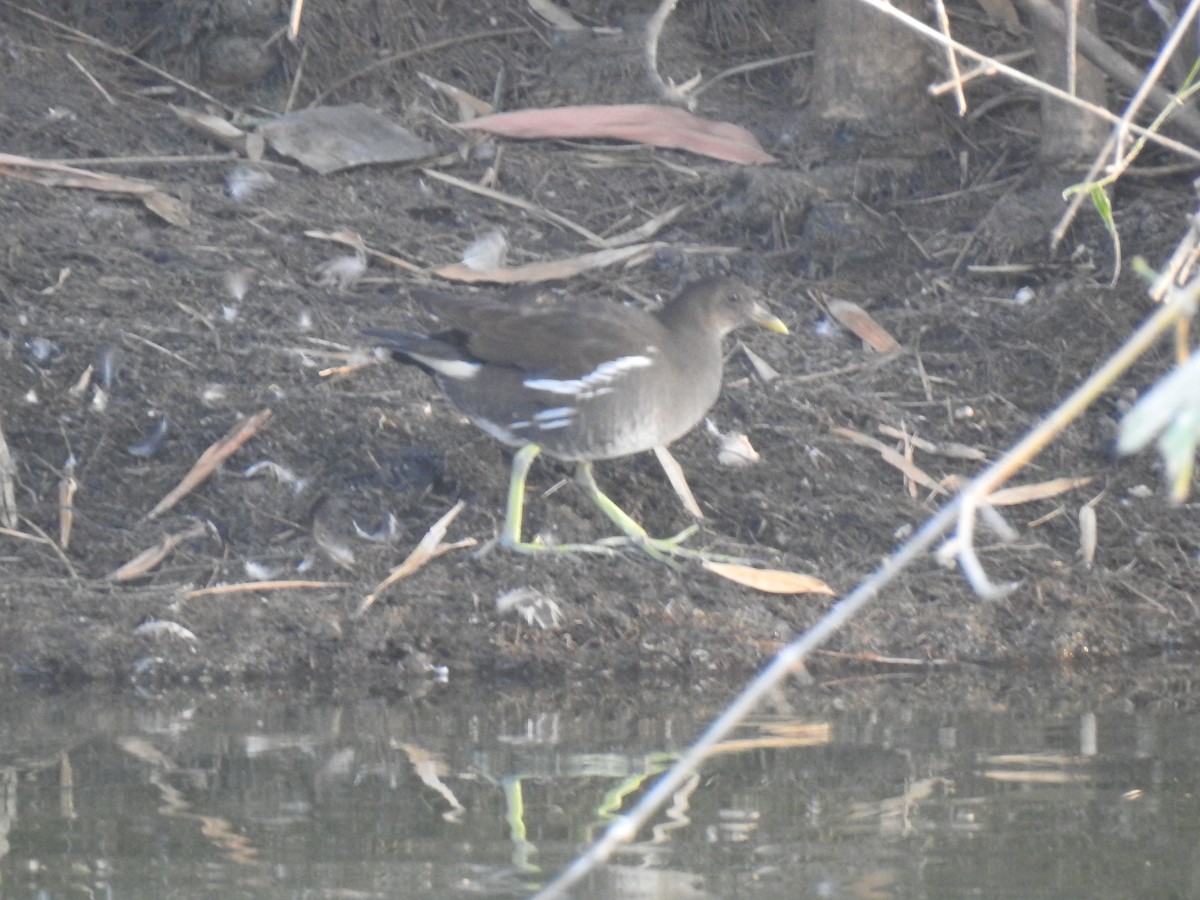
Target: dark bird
<point x="581" y="382"/>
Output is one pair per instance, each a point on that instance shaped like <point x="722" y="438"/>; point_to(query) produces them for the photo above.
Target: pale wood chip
<point x="1087" y="534"/>
<point x="762" y="368"/>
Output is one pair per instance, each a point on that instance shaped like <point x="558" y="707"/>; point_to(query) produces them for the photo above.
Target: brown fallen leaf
<point x="210" y="459"/>
<point x="770" y="581"/>
<point x="51" y="174"/>
<point x="859" y="321"/>
<point x="658" y="126"/>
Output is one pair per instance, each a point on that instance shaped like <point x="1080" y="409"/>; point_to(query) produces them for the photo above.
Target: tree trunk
<point x="1069" y="134"/>
<point x="871" y="73"/>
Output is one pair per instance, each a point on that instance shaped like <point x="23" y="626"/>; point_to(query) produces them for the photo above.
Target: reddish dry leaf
<point x="859" y="321"/>
<point x="770" y="581"/>
<point x="659" y="126"/>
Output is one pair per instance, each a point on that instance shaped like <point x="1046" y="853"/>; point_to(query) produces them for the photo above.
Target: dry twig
<point x="210" y="459"/>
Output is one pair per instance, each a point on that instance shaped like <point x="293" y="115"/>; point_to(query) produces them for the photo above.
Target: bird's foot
<point x="669" y="550"/>
<point x="515" y="545"/>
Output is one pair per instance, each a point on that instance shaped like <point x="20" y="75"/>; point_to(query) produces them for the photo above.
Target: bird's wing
<point x="571" y="341"/>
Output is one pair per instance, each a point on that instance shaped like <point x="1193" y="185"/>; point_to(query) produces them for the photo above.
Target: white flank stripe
<point x="458" y="369"/>
<point x="551" y="419"/>
<point x="593" y="383"/>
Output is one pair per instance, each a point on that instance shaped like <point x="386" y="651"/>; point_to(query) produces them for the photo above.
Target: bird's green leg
<point x="515" y="513"/>
<point x="510" y="535"/>
<point x="659" y="548"/>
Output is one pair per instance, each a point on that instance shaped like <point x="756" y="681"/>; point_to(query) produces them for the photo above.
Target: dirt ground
<point x="96" y="281"/>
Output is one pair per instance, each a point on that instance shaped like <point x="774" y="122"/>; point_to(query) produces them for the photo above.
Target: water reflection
<point x="485" y="795"/>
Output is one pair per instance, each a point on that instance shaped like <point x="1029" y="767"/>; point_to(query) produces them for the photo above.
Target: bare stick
<point x="210" y="459"/>
<point x="680" y="95"/>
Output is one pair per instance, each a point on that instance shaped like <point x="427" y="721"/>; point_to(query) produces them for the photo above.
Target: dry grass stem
<point x="250" y="587"/>
<point x="8" y="493"/>
<point x="906" y="467"/>
<point x="67" y="486"/>
<point x="92" y="79"/>
<point x="943" y="20"/>
<point x="210" y="459"/>
<point x="352" y="239"/>
<point x="149" y="558"/>
<point x="949" y="449"/>
<point x="533" y="209"/>
<point x="549" y="270"/>
<point x="430" y="547"/>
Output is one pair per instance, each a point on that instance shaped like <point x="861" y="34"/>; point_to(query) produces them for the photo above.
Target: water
<point x="474" y="793"/>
